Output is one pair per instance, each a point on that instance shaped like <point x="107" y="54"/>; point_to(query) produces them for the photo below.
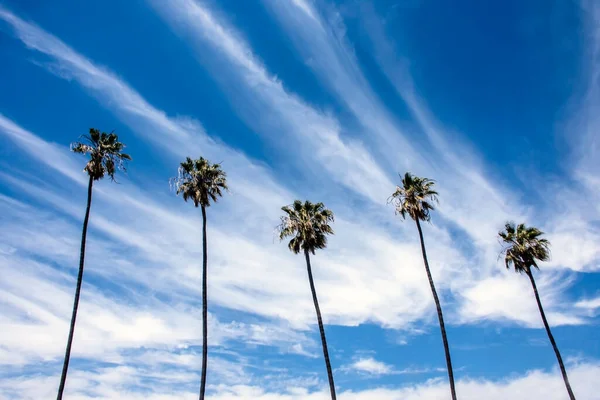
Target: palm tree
<point x="308" y="224"/>
<point x="106" y="158"/>
<point x="202" y="182"/>
<point x="524" y="245"/>
<point x="415" y="199"/>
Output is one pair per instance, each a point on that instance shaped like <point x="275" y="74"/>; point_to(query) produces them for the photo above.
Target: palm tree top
<point x="415" y="197"/>
<point x="524" y="247"/>
<point x="307" y="224"/>
<point x="200" y="181"/>
<point x="105" y="150"/>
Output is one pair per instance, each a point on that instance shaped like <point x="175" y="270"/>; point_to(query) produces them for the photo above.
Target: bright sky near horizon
<point x="327" y="100"/>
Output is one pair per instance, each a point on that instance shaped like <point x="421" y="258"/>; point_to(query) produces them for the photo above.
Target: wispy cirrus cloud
<point x="573" y="211"/>
<point x="342" y="268"/>
<point x="268" y="107"/>
<point x="243" y="290"/>
<point x="206" y="31"/>
<point x="574" y="238"/>
<point x="470" y="199"/>
<point x="141" y="307"/>
<point x="586" y="122"/>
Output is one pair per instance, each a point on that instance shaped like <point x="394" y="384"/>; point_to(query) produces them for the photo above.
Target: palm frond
<point x="414" y="198"/>
<point x="105" y="151"/>
<point x="523" y="247"/>
<point x="200" y="181"/>
<point x="307" y="224"/>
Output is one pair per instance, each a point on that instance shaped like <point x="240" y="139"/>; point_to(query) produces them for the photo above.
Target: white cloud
<point x="306" y="7"/>
<point x="149" y="317"/>
<point x="576" y="246"/>
<point x="380" y="280"/>
<point x="129" y="383"/>
<point x="209" y="32"/>
<point x="589" y="304"/>
<point x="573" y="209"/>
<point x="469" y="199"/>
<point x="509" y="297"/>
<point x="36" y="321"/>
<point x="371" y="366"/>
<point x="273" y="111"/>
<point x="239" y="283"/>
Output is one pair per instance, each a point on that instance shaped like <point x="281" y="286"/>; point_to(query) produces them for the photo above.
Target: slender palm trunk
<point x="321" y="328"/>
<point x="439" y="313"/>
<point x="554" y="346"/>
<point x="63" y="377"/>
<point x="204" y="307"/>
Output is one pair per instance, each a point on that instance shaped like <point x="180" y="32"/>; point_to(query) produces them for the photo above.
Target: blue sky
<point x="299" y="99"/>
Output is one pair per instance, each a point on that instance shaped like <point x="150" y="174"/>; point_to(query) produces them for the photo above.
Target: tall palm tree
<point x="106" y="157"/>
<point x="524" y="247"/>
<point x="308" y="224"/>
<point x="415" y="198"/>
<point x="203" y="183"/>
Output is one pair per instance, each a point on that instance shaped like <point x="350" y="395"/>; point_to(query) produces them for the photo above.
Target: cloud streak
<point x="142" y="277"/>
<point x="255" y="255"/>
<point x="342" y="268"/>
<point x="317" y="135"/>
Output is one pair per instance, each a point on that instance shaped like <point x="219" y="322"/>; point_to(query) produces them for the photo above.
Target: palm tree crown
<point x="524" y="247"/>
<point x="308" y="224"/>
<point x="200" y="181"/>
<point x="105" y="152"/>
<point x="415" y="197"/>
